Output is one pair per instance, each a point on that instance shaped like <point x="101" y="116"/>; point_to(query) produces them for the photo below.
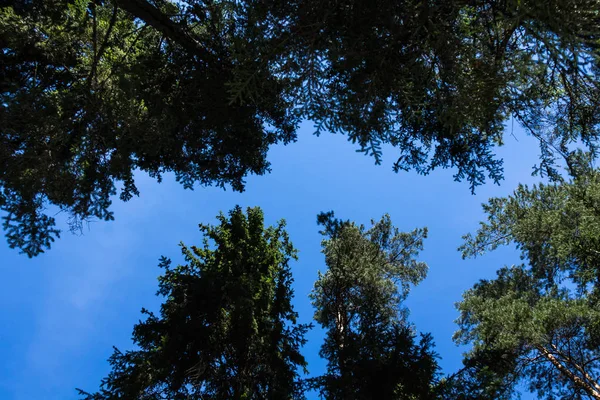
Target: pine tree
<point x="538" y="322"/>
<point x="371" y="350"/>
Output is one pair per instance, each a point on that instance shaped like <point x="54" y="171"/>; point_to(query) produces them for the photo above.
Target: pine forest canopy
<point x="227" y="328"/>
<point x="93" y="90"/>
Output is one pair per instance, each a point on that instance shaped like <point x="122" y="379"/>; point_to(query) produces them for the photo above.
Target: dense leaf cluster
<point x="89" y="94"/>
<point x="91" y="91"/>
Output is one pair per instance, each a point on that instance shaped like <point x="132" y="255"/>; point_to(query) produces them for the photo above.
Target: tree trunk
<point x="578" y="381"/>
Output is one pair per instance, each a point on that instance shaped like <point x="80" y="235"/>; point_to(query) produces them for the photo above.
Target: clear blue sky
<point x="63" y="311"/>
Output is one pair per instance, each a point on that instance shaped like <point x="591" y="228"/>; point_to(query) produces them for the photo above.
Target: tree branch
<point x="154" y="17"/>
<point x="98" y="53"/>
<point x="577" y="381"/>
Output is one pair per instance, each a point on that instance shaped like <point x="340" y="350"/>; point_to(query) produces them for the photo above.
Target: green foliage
<point x="91" y="91"/>
<point x="370" y="348"/>
<point x="481" y="378"/>
<point x="226" y="330"/>
<point x="540" y="322"/>
<point x="556" y="226"/>
<point x="89" y="94"/>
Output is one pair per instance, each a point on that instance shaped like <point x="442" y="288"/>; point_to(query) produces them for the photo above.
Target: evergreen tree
<point x="227" y="328"/>
<point x="371" y="350"/>
<point x="539" y="322"/>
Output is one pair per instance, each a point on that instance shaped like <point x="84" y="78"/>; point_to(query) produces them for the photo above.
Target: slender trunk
<point x="578" y="367"/>
<point x="578" y="381"/>
<point x="341" y="325"/>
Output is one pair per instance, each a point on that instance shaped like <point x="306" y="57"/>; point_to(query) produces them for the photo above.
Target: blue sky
<point x="63" y="311"/>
